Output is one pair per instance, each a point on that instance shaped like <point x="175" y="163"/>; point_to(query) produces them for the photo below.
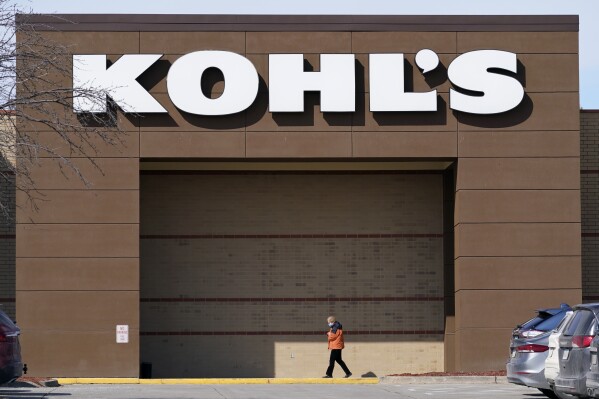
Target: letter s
<point x="470" y="71"/>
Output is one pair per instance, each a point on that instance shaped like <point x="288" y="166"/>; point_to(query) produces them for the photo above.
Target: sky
<point x="588" y="10"/>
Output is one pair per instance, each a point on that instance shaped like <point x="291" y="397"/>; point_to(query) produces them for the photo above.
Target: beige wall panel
<point x="506" y="308"/>
<point x="518" y="174"/>
<point x="96" y="42"/>
<point x="404" y="144"/>
<point x="80" y="354"/>
<point x="180" y="121"/>
<point x="517" y="239"/>
<point x="440" y="120"/>
<point x="78" y="206"/>
<point x="526" y="273"/>
<point x="118" y="144"/>
<point x="519" y="144"/>
<point x="186" y="42"/>
<point x="258" y="118"/>
<point x="538" y="111"/>
<point x="487" y="206"/>
<point x="78" y="310"/>
<point x="403" y="42"/>
<point x="482" y="349"/>
<point x="110" y="173"/>
<point x="271" y="356"/>
<point x="519" y="42"/>
<point x="298" y="144"/>
<point x="224" y="144"/>
<point x="83" y="274"/>
<point x="298" y="42"/>
<point x="77" y="240"/>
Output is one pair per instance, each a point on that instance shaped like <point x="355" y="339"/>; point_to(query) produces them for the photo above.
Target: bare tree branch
<point x="36" y="106"/>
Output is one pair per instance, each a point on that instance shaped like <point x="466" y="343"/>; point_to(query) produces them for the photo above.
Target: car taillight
<point x="3" y="337"/>
<point x="530" y="348"/>
<point x="582" y="341"/>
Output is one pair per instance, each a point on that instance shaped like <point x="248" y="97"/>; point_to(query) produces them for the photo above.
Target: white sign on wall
<point x="484" y="83"/>
<point x="122" y="334"/>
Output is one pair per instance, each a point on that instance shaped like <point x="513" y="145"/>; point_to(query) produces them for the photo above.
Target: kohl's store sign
<point x="483" y="81"/>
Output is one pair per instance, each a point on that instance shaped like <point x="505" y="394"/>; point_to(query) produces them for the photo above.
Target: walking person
<point x="336" y="345"/>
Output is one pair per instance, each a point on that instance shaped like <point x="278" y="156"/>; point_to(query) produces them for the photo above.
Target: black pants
<point x="336" y="357"/>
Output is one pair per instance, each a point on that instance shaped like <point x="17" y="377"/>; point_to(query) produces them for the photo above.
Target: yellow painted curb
<point x="216" y="381"/>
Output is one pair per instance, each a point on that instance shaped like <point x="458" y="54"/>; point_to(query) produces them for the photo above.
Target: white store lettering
<point x="483" y="83"/>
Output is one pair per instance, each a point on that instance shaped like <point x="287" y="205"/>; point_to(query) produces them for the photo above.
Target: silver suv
<point x="574" y="350"/>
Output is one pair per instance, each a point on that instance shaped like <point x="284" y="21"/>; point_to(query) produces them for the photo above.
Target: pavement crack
<point x="218" y="392"/>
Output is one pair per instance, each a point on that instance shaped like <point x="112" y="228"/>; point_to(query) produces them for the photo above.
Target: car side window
<point x="575" y="323"/>
<point x="562" y="325"/>
<point x="593" y="328"/>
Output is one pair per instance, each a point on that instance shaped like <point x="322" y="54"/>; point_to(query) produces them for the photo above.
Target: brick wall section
<point x="589" y="191"/>
<point x="387" y="291"/>
<point x="7" y="247"/>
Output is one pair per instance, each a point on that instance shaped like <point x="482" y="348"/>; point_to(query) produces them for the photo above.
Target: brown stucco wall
<point x="527" y="158"/>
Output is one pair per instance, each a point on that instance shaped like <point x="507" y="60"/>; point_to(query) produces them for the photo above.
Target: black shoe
<point x="347" y="375"/>
<point x="328" y="376"/>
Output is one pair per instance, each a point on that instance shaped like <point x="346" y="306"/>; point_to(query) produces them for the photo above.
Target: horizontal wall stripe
<point x="305" y="333"/>
<point x="261" y="236"/>
<point x="589" y="234"/>
<point x="287" y="172"/>
<point x="340" y="299"/>
<point x="8" y="236"/>
<point x="590" y="298"/>
<point x="589" y="172"/>
<point x="7" y="300"/>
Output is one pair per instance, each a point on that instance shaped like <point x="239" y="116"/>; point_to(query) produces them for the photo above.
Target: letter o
<point x="184" y="83"/>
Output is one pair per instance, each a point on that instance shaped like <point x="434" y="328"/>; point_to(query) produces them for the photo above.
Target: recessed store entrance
<point x="239" y="270"/>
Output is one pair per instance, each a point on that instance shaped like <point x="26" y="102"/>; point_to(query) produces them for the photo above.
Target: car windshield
<point x="550" y="323"/>
<point x="581" y="323"/>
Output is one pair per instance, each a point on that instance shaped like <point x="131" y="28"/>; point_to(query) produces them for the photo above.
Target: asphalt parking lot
<point x="295" y="391"/>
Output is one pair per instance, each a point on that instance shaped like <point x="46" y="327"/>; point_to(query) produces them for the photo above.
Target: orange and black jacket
<point x="335" y="336"/>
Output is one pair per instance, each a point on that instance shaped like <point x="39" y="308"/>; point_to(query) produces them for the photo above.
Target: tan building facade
<point x="223" y="242"/>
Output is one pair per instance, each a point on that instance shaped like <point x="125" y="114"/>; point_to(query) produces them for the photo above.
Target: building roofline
<point x="219" y="22"/>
